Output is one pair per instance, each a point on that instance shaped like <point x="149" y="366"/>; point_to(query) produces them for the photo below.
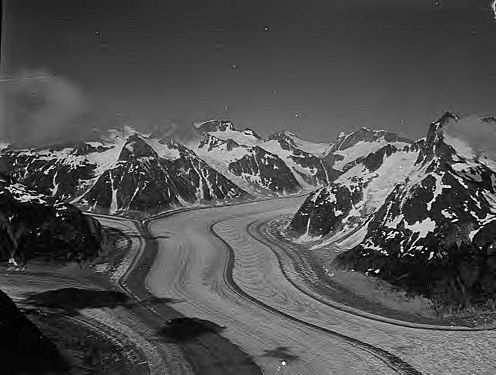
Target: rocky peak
<point x="364" y="134"/>
<point x="214" y="125"/>
<point x="210" y="142"/>
<point x="281" y="134"/>
<point x="489" y="120"/>
<point x="83" y="148"/>
<point x="435" y="128"/>
<point x="251" y="132"/>
<point x="285" y="139"/>
<point x="433" y="144"/>
<point x="135" y="147"/>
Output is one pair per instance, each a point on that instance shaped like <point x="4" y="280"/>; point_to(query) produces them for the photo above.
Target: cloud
<point x="180" y="130"/>
<point x="40" y="108"/>
<point x="479" y="135"/>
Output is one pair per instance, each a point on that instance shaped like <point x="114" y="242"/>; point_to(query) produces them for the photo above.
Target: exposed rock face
<point x="421" y="216"/>
<point x="265" y="169"/>
<point x="235" y="153"/>
<point x="369" y="164"/>
<point x="347" y="202"/>
<point x="144" y="182"/>
<point x="125" y="173"/>
<point x="436" y="232"/>
<point x="61" y="172"/>
<point x="314" y="148"/>
<point x="358" y="144"/>
<point x="324" y="210"/>
<point x="36" y="226"/>
<point x="23" y="348"/>
<point x="310" y="169"/>
<point x="214" y="125"/>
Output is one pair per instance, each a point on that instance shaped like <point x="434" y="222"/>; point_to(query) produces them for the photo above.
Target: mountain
<point x="434" y="232"/>
<point x="121" y="172"/>
<point x="281" y="164"/>
<point x="153" y="176"/>
<point x="308" y="167"/>
<point x="250" y="167"/>
<point x="314" y="148"/>
<point x="36" y="226"/>
<point x="224" y="129"/>
<point x="366" y="180"/>
<point x="125" y="172"/>
<point x="360" y="143"/>
<point x="23" y="348"/>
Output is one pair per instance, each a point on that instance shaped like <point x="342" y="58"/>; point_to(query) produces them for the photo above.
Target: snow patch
<point x="423" y="227"/>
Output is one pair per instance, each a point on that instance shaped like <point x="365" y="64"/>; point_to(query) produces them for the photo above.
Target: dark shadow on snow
<point x="69" y="301"/>
<point x="281" y="352"/>
<point x="23" y="347"/>
<point x="186" y="329"/>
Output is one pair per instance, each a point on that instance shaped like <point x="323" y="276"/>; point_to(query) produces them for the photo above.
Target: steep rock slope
<point x="36" y="226"/>
<point x="314" y="148"/>
<point x="435" y="234"/>
<point x="285" y="162"/>
<point x="121" y="172"/>
<point x="346" y="203"/>
<point x="358" y="144"/>
<point x="23" y="348"/>
<point x="151" y="176"/>
<point x="309" y="169"/>
<point x="265" y="169"/>
<point x="250" y="167"/>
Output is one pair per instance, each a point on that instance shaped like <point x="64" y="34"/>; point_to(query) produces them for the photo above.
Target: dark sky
<point x="314" y="67"/>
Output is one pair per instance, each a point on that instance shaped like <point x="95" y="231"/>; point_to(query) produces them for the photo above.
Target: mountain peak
<point x="487" y="120"/>
<point x="446" y="118"/>
<point x="210" y="142"/>
<point x="214" y="125"/>
<point x="251" y="132"/>
<point x="435" y="135"/>
<point x="364" y="134"/>
<point x="136" y="147"/>
<point x="282" y="134"/>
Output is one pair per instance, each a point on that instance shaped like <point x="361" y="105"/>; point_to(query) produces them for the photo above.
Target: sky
<point x="313" y="67"/>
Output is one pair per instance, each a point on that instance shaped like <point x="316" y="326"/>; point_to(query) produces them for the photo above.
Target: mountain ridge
<point x="432" y="232"/>
<point x="126" y="172"/>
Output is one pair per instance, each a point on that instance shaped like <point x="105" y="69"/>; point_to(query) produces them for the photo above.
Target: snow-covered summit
<point x="360" y="143"/>
<point x="314" y="148"/>
<point x="223" y="146"/>
<point x="213" y="126"/>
